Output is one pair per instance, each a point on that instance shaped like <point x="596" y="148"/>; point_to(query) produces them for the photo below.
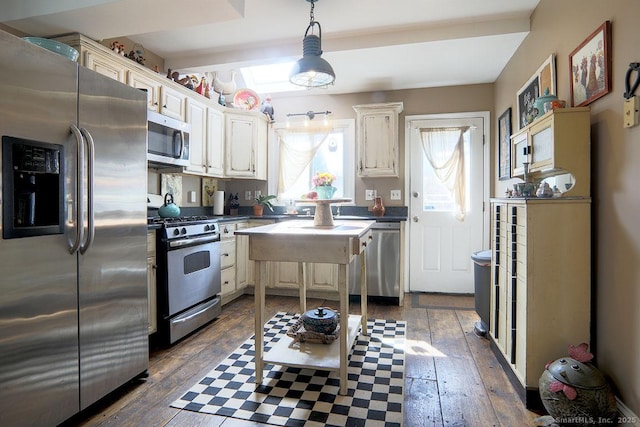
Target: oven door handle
<point x="191" y="316"/>
<point x="174" y="244"/>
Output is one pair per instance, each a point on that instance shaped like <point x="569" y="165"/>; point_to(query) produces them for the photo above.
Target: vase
<point x="325" y="191"/>
<point x="377" y="208"/>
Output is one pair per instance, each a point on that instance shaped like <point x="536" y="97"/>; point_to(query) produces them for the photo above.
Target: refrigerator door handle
<point x="90" y="175"/>
<point x="77" y="204"/>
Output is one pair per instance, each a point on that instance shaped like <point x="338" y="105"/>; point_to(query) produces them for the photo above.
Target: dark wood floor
<point x="452" y="377"/>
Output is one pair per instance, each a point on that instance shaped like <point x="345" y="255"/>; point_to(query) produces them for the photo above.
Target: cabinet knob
<point x="415" y="219"/>
<point x="415" y="194"/>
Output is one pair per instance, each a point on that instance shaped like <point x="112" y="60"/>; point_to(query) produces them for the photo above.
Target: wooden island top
<point x="300" y="241"/>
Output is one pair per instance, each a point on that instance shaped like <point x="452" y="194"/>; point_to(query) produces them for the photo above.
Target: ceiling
<point x="371" y="45"/>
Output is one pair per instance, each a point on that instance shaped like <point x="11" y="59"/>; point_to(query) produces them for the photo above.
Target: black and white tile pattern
<point x="306" y="397"/>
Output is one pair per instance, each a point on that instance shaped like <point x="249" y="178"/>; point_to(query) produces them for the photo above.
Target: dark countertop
<point x="393" y="214"/>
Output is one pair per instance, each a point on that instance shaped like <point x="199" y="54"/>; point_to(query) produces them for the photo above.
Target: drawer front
<point x="228" y="279"/>
<point x="227" y="230"/>
<point x="360" y="244"/>
<point x="227" y="253"/>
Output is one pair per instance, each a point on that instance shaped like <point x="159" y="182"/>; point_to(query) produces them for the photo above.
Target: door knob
<point x="415" y="219"/>
<point x="415" y="194"/>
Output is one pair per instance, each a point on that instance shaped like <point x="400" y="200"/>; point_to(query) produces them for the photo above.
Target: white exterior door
<point x="440" y="242"/>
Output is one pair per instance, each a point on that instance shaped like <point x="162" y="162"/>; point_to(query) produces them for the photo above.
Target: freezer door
<point x="38" y="281"/>
<point x="113" y="260"/>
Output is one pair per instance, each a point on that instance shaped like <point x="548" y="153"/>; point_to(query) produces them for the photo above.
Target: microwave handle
<point x="179" y="136"/>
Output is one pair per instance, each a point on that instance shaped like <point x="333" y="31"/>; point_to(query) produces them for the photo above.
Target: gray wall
<point x="559" y="27"/>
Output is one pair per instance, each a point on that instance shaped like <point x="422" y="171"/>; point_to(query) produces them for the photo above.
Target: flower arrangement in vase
<point x="322" y="184"/>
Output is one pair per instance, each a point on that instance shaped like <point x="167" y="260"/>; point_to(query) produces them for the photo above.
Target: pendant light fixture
<point x="311" y="70"/>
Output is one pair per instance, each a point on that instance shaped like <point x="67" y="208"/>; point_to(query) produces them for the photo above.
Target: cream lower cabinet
<point x="151" y="282"/>
<point x="323" y="277"/>
<point x="227" y="261"/>
<point x="540" y="283"/>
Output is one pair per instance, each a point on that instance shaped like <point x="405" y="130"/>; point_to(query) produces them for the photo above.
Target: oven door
<point x="193" y="275"/>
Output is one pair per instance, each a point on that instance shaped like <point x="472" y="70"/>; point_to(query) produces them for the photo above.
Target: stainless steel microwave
<point x="168" y="140"/>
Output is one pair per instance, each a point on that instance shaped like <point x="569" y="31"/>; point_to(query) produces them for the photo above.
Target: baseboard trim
<point x="626" y="417"/>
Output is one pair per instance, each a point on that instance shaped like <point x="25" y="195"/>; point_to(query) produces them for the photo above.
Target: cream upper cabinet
<point x="173" y="103"/>
<point x="197" y="118"/>
<point x="105" y="65"/>
<point x="377" y="139"/>
<point x="151" y="86"/>
<point x="540" y="282"/>
<point x="215" y="142"/>
<point x="556" y="143"/>
<point x="245" y="145"/>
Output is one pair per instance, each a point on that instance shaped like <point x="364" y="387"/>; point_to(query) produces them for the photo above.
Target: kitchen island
<point x="300" y="241"/>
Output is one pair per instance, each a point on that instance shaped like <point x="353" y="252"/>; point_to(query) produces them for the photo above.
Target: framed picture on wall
<point x="542" y="80"/>
<point x="527" y="96"/>
<point x="590" y="67"/>
<point x="504" y="145"/>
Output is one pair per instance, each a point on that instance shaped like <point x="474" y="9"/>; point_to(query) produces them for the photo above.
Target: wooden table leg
<point x="303" y="271"/>
<point x="260" y="282"/>
<point x="343" y="289"/>
<point x="363" y="291"/>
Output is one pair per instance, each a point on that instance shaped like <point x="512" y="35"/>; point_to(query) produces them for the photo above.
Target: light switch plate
<point x="630" y="115"/>
<point x="192" y="196"/>
<point x="257" y="193"/>
<point x="247" y="195"/>
<point x="396" y="195"/>
<point x="369" y="194"/>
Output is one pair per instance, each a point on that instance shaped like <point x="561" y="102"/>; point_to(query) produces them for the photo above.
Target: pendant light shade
<point x="311" y="70"/>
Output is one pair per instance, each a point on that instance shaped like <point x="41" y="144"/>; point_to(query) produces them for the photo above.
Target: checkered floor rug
<point x="306" y="397"/>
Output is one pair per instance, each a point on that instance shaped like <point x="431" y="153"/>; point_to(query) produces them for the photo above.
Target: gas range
<point x="186" y="226"/>
<point x="188" y="274"/>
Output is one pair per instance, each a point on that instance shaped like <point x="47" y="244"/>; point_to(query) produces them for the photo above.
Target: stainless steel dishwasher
<point x="383" y="263"/>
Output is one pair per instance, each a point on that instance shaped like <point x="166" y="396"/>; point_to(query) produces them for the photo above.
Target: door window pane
<point x="436" y="197"/>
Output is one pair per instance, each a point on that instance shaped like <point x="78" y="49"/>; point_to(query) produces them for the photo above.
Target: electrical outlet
<point x="369" y="194"/>
<point x="192" y="196"/>
<point x="257" y="193"/>
<point x="247" y="195"/>
<point x="396" y="195"/>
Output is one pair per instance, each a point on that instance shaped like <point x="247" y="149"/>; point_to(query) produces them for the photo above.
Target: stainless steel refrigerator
<point x="73" y="295"/>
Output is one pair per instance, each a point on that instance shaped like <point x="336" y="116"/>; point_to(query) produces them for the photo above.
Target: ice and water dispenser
<point x="32" y="188"/>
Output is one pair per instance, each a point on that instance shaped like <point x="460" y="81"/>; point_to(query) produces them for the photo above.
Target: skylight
<point x="270" y="78"/>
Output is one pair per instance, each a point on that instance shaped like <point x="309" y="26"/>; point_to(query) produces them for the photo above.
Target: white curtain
<point x="444" y="149"/>
<point x="297" y="148"/>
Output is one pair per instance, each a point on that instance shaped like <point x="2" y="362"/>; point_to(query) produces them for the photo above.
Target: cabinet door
<point x="173" y="103"/>
<point x="286" y="275"/>
<point x="519" y="153"/>
<point x="377" y="136"/>
<point x="239" y="146"/>
<point x="197" y="117"/>
<point x="215" y="143"/>
<point x="261" y="135"/>
<point x="151" y="295"/>
<point x="104" y="65"/>
<point x="324" y="277"/>
<point x="541" y="145"/>
<point x="242" y="258"/>
<point x="152" y="87"/>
